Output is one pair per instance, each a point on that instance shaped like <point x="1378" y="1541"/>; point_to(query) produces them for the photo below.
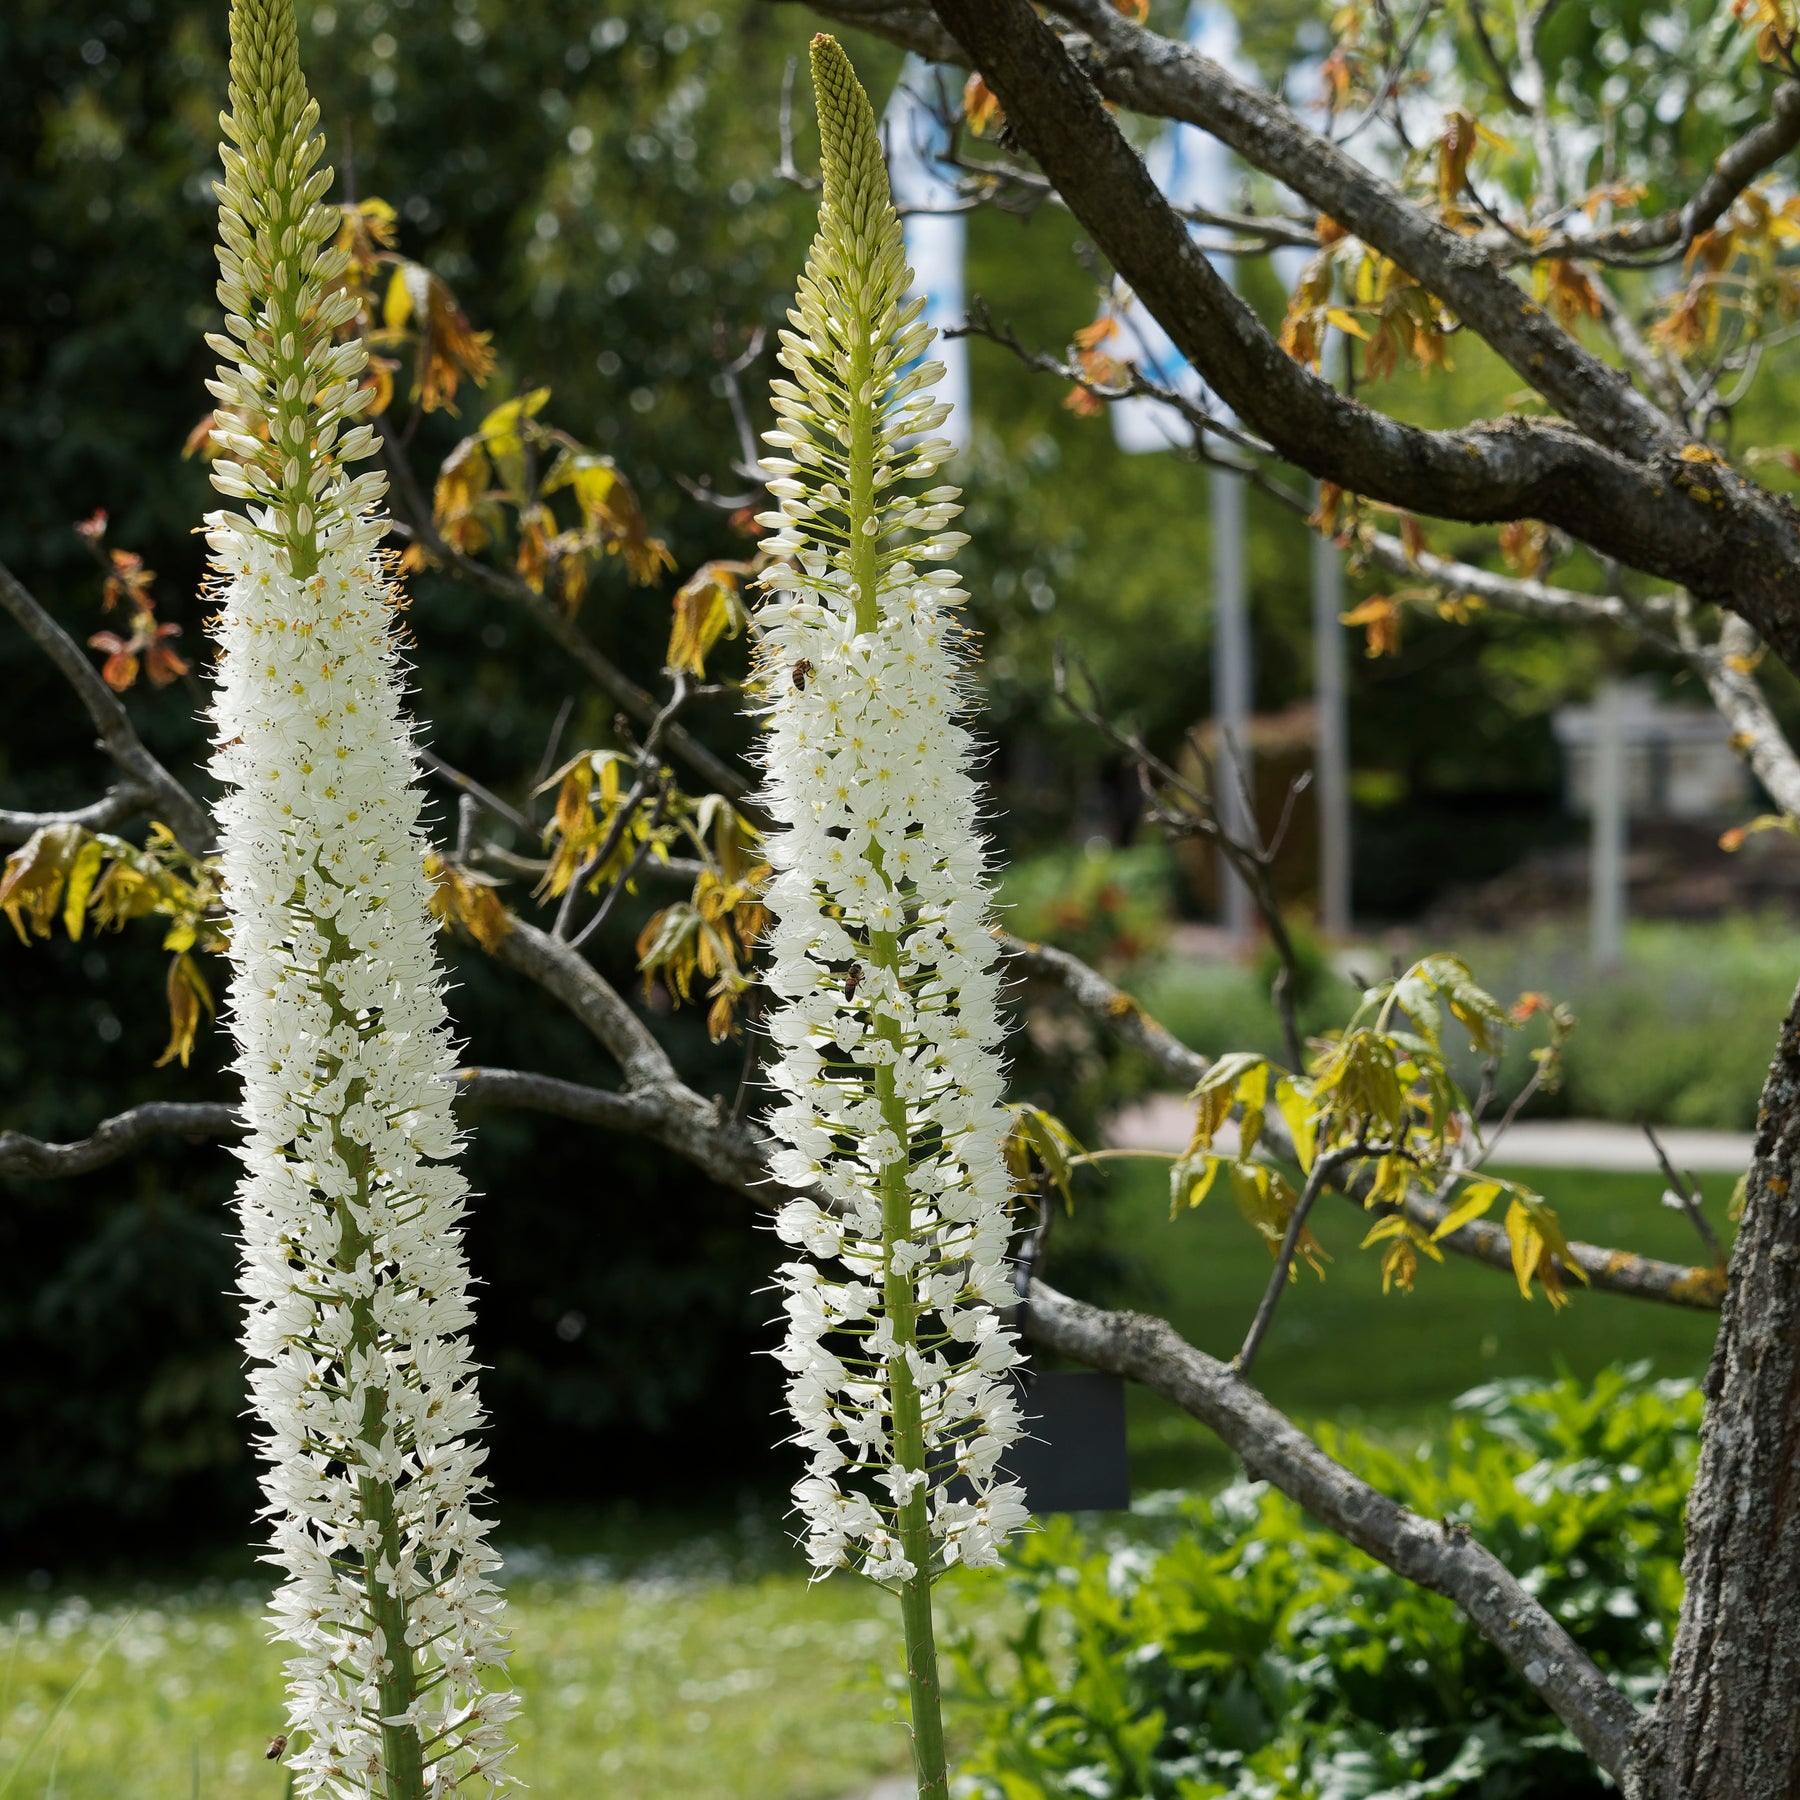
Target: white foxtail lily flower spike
<point x="887" y="1027"/>
<point x="351" y="1204"/>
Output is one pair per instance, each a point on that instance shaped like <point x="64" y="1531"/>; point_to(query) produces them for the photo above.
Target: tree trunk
<point x="1728" y="1724"/>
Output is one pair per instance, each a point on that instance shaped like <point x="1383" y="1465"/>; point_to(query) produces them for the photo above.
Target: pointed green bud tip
<point x="856" y="182"/>
<point x="267" y="92"/>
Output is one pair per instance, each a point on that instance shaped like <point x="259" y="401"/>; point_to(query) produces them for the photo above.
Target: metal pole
<point x="1331" y="767"/>
<point x="1607" y="857"/>
<point x="1233" y="770"/>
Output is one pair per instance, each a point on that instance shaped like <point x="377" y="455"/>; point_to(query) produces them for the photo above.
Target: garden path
<point x="1163" y="1122"/>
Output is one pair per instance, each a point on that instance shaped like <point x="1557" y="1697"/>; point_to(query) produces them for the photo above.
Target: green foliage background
<point x="1250" y="1653"/>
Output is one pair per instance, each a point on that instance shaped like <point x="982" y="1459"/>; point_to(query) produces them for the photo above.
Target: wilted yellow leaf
<point x="32" y="882"/>
<point x="469" y="901"/>
<point x="188" y="993"/>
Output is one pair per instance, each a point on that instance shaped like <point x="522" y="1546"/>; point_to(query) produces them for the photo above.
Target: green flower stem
<point x="402" y="1755"/>
<point x="909" y="1429"/>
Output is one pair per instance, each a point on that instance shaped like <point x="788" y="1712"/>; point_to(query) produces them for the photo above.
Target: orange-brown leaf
<point x="1379" y="616"/>
<point x="1455" y="148"/>
<point x="468" y="902"/>
<point x="707" y="606"/>
<point x="1525" y="544"/>
<point x="980" y="107"/>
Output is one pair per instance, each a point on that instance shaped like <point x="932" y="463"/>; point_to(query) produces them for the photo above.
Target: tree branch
<point x="1148" y="73"/>
<point x="732" y="1154"/>
<point x="1690" y="1286"/>
<point x="1439" y="1555"/>
<point x="569" y="977"/>
<point x="1754" y="154"/>
<point x="1728" y="669"/>
<point x="181" y="812"/>
<point x="31" y="1159"/>
<point x="671" y="1114"/>
<point x="1521" y="594"/>
<point x="1688" y="518"/>
<point x="117" y="806"/>
<point x="1324" y="1168"/>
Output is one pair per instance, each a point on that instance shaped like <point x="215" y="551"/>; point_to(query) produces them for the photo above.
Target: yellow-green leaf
<point x="1475" y="1201"/>
<point x="1191" y="1180"/>
<point x="83" y="873"/>
<point x="1294" y="1101"/>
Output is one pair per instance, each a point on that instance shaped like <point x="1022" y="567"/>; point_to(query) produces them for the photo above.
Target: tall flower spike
<point x="351" y="1203"/>
<point x="888" y="1076"/>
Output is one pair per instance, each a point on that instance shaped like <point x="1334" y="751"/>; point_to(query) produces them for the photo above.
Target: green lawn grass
<point x="1391" y="1363"/>
<point x="708" y="1683"/>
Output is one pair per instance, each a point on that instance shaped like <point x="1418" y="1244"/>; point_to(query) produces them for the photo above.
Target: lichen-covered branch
<point x="1729" y="670"/>
<point x="117" y="806"/>
<point x="1435" y="1554"/>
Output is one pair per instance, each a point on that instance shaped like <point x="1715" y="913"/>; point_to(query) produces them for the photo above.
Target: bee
<point x="803" y="671"/>
<point x="853" y="980"/>
<point x="277" y="1744"/>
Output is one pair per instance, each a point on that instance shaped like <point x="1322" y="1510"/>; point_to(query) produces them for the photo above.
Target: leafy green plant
<point x="1111" y="908"/>
<point x="1242" y="1651"/>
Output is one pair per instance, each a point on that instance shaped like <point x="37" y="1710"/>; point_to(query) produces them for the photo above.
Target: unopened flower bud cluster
<point x="888" y="1076"/>
<point x="351" y="1205"/>
<point x="288" y="396"/>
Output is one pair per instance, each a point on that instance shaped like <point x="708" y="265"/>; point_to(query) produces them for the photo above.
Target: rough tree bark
<point x="1728" y="1724"/>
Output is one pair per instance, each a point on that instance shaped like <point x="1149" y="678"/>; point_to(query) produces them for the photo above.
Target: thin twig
<point x="647" y="777"/>
<point x="552" y="744"/>
<point x="1684" y="1190"/>
<point x="753" y="1040"/>
<point x="1249" y="857"/>
<point x="1136" y="385"/>
<point x="469" y="786"/>
<point x="629" y="874"/>
<point x="1317" y="1179"/>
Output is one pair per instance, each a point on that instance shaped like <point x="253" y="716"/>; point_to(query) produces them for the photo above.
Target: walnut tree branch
<point x="1729" y="670"/>
<point x="117" y="806"/>
<point x="1325" y="1168"/>
<point x="1688" y="518"/>
<point x="1146" y="72"/>
<point x="1737" y="166"/>
<point x="32" y="1159"/>
<point x="1435" y="1554"/>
